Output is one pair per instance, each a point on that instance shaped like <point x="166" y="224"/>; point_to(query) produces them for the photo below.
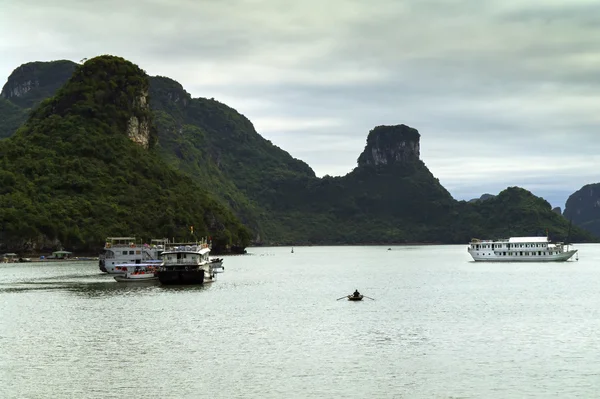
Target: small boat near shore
<point x="520" y="249"/>
<point x="141" y="272"/>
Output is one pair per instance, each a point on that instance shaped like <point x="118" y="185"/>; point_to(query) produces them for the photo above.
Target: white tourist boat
<point x="520" y="249"/>
<point x="138" y="273"/>
<point x="187" y="263"/>
<point x="119" y="251"/>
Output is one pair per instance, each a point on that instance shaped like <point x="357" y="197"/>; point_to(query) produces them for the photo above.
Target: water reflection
<point x="102" y="286"/>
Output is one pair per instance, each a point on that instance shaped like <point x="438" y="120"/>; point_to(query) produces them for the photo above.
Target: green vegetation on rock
<point x="11" y="117"/>
<point x="72" y="174"/>
<point x="516" y="211"/>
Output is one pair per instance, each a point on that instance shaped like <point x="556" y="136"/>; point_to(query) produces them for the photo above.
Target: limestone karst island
<point x="101" y="149"/>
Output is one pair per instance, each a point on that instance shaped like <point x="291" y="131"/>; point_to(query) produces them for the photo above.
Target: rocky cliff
<point x="583" y="208"/>
<point x="389" y="145"/>
<point x="27" y="86"/>
<point x="30" y="83"/>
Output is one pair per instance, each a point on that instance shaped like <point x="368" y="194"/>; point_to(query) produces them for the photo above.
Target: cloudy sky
<point x="503" y="92"/>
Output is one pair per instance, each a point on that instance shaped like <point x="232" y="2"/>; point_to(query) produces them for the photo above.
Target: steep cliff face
<point x="139" y="127"/>
<point x="168" y="93"/>
<point x="27" y="86"/>
<point x="583" y="208"/>
<point x="30" y="83"/>
<point x="390" y="145"/>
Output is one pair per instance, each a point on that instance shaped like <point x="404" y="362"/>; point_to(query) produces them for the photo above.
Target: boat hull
<point x="181" y="277"/>
<point x="491" y="257"/>
<point x="123" y="279"/>
<point x="355" y="298"/>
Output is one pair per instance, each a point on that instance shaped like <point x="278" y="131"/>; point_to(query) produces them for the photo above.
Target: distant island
<point x="101" y="149"/>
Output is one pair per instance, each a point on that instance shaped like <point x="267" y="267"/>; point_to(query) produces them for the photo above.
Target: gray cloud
<point x="503" y="92"/>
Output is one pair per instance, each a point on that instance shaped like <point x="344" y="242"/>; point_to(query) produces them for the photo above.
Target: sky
<point x="504" y="92"/>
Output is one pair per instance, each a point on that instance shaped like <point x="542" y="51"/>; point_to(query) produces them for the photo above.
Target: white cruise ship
<point x="519" y="249"/>
<point x="119" y="252"/>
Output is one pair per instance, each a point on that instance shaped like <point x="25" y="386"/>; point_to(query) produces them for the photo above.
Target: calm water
<point x="441" y="327"/>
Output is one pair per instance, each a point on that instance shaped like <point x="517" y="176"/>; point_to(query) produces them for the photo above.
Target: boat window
<point x="124" y="252"/>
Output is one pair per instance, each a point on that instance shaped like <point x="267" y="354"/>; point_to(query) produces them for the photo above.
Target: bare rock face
<point x="18" y="89"/>
<point x="389" y="145"/>
<point x="139" y="129"/>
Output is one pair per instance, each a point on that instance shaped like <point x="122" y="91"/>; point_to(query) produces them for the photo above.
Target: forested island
<point x="102" y="149"/>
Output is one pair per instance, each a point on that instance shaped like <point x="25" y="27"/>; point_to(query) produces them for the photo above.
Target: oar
<point x="369" y="297"/>
<point x="345" y="296"/>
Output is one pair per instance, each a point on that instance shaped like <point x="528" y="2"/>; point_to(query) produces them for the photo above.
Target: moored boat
<point x="122" y="268"/>
<point x="127" y="250"/>
<point x="141" y="272"/>
<point x="217" y="265"/>
<point x="186" y="263"/>
<point x="520" y="249"/>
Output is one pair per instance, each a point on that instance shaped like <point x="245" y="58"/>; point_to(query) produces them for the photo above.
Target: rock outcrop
<point x="583" y="208"/>
<point x="557" y="210"/>
<point x="139" y="128"/>
<point x="30" y="83"/>
<point x="484" y="197"/>
<point x="166" y="92"/>
<point x="390" y="145"/>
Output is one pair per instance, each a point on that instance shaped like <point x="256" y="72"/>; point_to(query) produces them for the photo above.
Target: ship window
<point x="131" y="252"/>
<point x="138" y="252"/>
<point x="521" y="253"/>
<point x="504" y="253"/>
<point x="124" y="252"/>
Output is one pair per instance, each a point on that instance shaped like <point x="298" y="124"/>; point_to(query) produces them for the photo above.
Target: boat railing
<point x="181" y="262"/>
